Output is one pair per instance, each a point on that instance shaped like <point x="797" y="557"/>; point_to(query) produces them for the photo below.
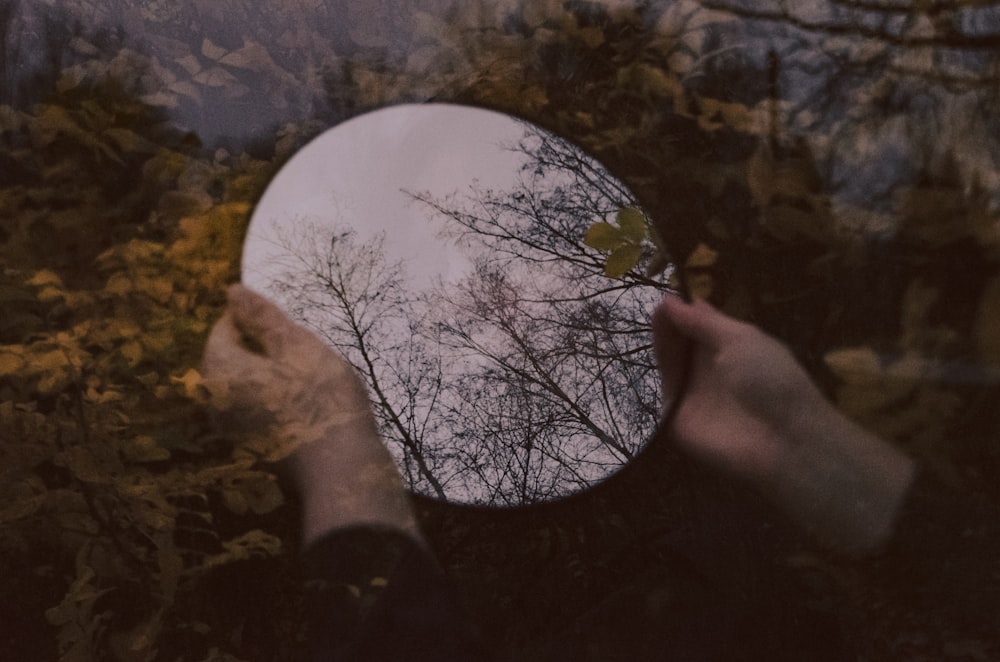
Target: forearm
<point x="839" y="482"/>
<point x="348" y="480"/>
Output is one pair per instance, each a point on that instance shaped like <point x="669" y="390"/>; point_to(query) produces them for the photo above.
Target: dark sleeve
<point x="378" y="595"/>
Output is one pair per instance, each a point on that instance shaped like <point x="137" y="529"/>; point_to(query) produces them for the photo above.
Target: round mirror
<point x="490" y="281"/>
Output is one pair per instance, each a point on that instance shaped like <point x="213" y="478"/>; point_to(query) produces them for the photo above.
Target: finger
<point x="260" y="320"/>
<point x="700" y="321"/>
<point x="670" y="347"/>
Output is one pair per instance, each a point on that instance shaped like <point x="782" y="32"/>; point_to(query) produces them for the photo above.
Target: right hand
<point x="750" y="409"/>
<point x="745" y="390"/>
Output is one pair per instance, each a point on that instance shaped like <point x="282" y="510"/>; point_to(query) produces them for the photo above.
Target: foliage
<point x="107" y="455"/>
<point x="623" y="242"/>
<point x="825" y="169"/>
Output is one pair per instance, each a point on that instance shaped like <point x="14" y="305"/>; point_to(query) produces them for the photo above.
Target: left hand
<point x="295" y="389"/>
<point x="299" y="402"/>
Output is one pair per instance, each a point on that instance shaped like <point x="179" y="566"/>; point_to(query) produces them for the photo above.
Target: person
<point x="748" y="409"/>
<point x="375" y="589"/>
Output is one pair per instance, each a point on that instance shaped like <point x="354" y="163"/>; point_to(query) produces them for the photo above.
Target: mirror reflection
<point x="489" y="281"/>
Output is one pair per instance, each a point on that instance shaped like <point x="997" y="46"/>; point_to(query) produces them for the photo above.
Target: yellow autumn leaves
<point x="49" y="365"/>
<point x="913" y="392"/>
<point x="627" y="243"/>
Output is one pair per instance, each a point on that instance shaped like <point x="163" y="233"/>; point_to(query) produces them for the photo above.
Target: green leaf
<point x="621" y="260"/>
<point x="603" y="237"/>
<point x="633" y="224"/>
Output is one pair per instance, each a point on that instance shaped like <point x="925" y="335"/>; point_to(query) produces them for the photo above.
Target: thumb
<point x="225" y="354"/>
<point x="262" y="321"/>
<point x="699" y="321"/>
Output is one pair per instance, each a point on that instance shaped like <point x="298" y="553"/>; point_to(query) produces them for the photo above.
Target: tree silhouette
<point x="526" y="378"/>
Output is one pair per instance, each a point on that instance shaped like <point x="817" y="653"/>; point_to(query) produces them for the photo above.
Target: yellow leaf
<point x="45" y="277"/>
<point x="869" y="384"/>
<point x="49" y="294"/>
<point x="139" y="250"/>
<point x="252" y="543"/>
<point x="95" y="395"/>
<point x="191" y="382"/>
<point x="11" y="361"/>
<point x="132" y="351"/>
<point x="119" y="284"/>
<point x="159" y="289"/>
<point x="633" y="224"/>
<point x="53" y="368"/>
<point x="603" y="237"/>
<point x="855" y="365"/>
<point x="701" y="257"/>
<point x="621" y="260"/>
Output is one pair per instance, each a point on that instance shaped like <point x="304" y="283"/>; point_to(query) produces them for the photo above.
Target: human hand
<point x="745" y="390"/>
<point x="293" y="391"/>
<point x="298" y="402"/>
<point x="751" y="410"/>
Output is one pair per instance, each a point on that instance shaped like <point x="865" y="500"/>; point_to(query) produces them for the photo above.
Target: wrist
<point x="348" y="479"/>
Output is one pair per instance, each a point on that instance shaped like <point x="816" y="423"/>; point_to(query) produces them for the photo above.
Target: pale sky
<point x="354" y="173"/>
